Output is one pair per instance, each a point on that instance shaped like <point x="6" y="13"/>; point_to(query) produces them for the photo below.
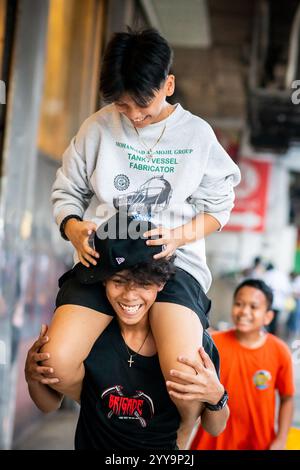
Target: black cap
<point x="121" y="245"/>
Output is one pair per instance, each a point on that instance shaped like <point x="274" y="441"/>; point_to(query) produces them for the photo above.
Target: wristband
<point x="63" y="224"/>
<point x="221" y="403"/>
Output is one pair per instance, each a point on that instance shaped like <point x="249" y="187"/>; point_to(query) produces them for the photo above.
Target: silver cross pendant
<point x="130" y="361"/>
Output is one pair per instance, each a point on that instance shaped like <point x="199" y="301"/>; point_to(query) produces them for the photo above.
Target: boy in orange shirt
<point x="254" y="364"/>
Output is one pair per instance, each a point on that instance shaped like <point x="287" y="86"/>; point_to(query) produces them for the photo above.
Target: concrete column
<point x="18" y="182"/>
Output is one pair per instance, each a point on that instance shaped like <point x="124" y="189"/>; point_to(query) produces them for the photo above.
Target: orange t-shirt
<point x="250" y="377"/>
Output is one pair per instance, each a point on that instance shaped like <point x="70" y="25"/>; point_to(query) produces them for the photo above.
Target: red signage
<point x="249" y="213"/>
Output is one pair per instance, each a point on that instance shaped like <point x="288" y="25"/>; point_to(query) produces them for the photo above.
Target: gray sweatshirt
<point x="108" y="167"/>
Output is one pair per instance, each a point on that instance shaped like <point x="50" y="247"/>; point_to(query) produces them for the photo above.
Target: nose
<point x="130" y="293"/>
<point x="245" y="310"/>
<point x="134" y="113"/>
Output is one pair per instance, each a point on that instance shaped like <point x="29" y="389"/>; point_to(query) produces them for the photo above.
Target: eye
<point x="146" y="286"/>
<point x="118" y="281"/>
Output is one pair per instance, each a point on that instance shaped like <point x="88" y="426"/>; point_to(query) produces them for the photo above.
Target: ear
<point x="170" y="85"/>
<point x="268" y="317"/>
<point x="160" y="287"/>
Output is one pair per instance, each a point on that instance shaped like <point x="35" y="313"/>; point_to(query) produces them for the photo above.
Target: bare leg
<point x="72" y="333"/>
<point x="178" y="332"/>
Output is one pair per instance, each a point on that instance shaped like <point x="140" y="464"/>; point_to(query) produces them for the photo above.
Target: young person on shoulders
<point x="158" y="162"/>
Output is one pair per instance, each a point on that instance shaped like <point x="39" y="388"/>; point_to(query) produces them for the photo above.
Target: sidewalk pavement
<point x="54" y="432"/>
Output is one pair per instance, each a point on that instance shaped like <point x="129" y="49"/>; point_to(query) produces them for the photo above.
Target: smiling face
<point x="250" y="311"/>
<point x="156" y="110"/>
<point x="130" y="301"/>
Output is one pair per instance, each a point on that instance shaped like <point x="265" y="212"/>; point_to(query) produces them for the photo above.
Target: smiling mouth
<point x="137" y="121"/>
<point x="243" y="322"/>
<point x="130" y="308"/>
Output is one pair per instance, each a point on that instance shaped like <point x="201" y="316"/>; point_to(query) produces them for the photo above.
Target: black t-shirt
<point x="211" y="349"/>
<point x="124" y="407"/>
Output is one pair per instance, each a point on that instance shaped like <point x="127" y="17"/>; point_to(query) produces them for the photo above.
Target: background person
<point x="281" y="286"/>
<point x="293" y="321"/>
<point x="254" y="365"/>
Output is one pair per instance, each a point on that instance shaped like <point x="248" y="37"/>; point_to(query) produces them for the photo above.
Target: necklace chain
<point x="130" y="361"/>
<point x="150" y="149"/>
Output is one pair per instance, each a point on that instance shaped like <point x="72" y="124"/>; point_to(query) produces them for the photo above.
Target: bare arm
<point x="38" y="377"/>
<point x="285" y="417"/>
<point x="45" y="398"/>
<point x="214" y="422"/>
<point x="199" y="227"/>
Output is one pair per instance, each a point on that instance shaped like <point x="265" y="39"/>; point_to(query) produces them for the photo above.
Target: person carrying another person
<point x="124" y="400"/>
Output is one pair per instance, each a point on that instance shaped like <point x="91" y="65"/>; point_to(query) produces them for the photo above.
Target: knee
<point x="63" y="363"/>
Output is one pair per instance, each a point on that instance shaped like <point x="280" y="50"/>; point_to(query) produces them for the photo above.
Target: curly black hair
<point x="155" y="272"/>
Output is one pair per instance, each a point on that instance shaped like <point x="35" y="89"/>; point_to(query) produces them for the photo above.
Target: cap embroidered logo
<point x="120" y="260"/>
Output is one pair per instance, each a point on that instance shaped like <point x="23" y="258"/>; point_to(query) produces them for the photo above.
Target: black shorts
<point x="182" y="289"/>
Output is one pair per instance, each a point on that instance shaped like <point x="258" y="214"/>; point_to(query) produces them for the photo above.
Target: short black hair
<point x="137" y="63"/>
<point x="157" y="271"/>
<point x="257" y="284"/>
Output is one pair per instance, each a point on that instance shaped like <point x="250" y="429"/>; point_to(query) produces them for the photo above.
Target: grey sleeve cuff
<point x="63" y="224"/>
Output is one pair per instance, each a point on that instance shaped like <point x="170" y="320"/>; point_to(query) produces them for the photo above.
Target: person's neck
<point x="140" y="328"/>
<point x="251" y="340"/>
<point x="165" y="112"/>
<point x="139" y="337"/>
